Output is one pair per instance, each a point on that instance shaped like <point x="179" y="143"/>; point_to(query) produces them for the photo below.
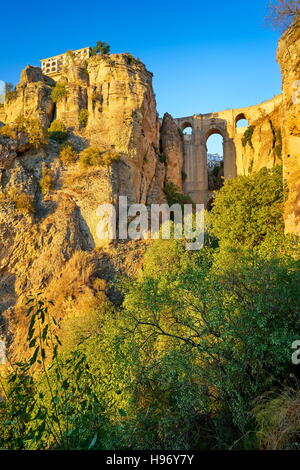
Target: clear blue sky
<point x="205" y="55"/>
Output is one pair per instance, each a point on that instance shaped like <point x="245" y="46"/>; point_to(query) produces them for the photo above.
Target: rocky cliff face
<point x="49" y="238"/>
<point x="263" y="146"/>
<point x="288" y="57"/>
<point x="172" y="150"/>
<point x="32" y="97"/>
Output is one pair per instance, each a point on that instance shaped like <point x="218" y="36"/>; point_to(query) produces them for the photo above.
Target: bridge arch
<point x="196" y="182"/>
<point x="214" y="161"/>
<point x="187" y="129"/>
<point x="241" y="120"/>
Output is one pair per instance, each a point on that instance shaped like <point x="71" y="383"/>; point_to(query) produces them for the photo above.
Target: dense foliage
<point x="190" y="360"/>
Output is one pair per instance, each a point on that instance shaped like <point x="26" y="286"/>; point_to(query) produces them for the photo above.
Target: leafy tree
<point x="248" y="208"/>
<point x="231" y="312"/>
<point x="101" y="48"/>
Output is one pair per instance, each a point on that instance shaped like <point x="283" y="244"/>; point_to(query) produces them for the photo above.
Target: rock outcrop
<point x="41" y="232"/>
<point x="288" y="57"/>
<point x="172" y="150"/>
<point x="47" y="236"/>
<point x="32" y="97"/>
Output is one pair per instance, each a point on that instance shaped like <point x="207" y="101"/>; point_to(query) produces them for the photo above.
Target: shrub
<point x="247" y="137"/>
<point x="92" y="156"/>
<point x="47" y="181"/>
<point x="67" y="154"/>
<point x="59" y="92"/>
<point x="174" y="196"/>
<point x="23" y="202"/>
<point x="131" y="59"/>
<point x="278" y="417"/>
<point x="83" y="117"/>
<point x="8" y="131"/>
<point x="58" y="131"/>
<point x="108" y="157"/>
<point x="33" y="128"/>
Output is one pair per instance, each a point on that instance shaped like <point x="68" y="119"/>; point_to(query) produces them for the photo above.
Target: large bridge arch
<point x="195" y="154"/>
<point x="225" y="124"/>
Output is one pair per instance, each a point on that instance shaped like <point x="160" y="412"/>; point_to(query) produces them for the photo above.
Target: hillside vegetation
<point x="195" y="355"/>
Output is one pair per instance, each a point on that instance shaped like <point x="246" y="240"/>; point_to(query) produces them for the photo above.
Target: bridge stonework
<point x="224" y="124"/>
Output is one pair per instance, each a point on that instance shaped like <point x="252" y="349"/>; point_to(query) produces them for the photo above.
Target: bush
<point x="247" y="137"/>
<point x="109" y="156"/>
<point x="32" y="127"/>
<point x="131" y="59"/>
<point x="278" y="418"/>
<point x="92" y="156"/>
<point x="8" y="131"/>
<point x="174" y="196"/>
<point x="83" y="117"/>
<point x="47" y="181"/>
<point x="67" y="154"/>
<point x="248" y="208"/>
<point x="59" y="92"/>
<point x="58" y="131"/>
<point x="24" y="203"/>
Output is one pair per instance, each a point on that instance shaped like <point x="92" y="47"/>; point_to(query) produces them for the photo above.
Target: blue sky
<point x="206" y="56"/>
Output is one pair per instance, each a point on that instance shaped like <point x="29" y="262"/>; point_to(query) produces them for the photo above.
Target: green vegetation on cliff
<point x="192" y="357"/>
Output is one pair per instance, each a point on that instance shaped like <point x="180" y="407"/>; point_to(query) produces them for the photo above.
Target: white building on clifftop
<point x="53" y="65"/>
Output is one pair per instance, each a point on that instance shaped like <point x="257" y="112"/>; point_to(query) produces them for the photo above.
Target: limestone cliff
<point x="45" y="236"/>
<point x="288" y="57"/>
<point x="172" y="150"/>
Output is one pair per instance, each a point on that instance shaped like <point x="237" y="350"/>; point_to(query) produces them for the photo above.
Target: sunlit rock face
<point x="288" y="58"/>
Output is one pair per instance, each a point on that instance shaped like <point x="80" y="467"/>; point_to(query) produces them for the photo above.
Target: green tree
<point x="231" y="312"/>
<point x="248" y="208"/>
<point x="101" y="48"/>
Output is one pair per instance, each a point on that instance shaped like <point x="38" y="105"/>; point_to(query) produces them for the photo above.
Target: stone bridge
<point x="223" y="123"/>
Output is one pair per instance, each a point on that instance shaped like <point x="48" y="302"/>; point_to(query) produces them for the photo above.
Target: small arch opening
<point x="187" y="132"/>
<point x="187" y="128"/>
<point x="215" y="161"/>
<point x="241" y="121"/>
